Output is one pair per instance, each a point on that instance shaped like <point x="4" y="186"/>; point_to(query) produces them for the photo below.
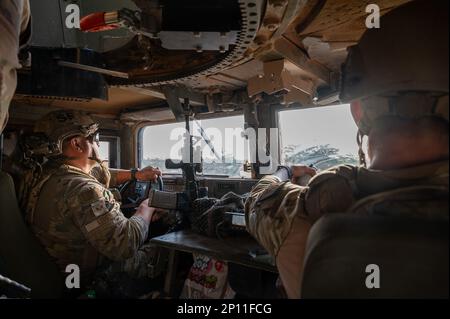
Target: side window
<point x="156" y="146"/>
<point x="109" y="150"/>
<point x="104" y="152"/>
<point x="223" y="154"/>
<point x="323" y="136"/>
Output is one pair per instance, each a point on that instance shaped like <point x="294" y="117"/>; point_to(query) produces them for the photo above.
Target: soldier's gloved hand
<point x="301" y="174"/>
<point x="148" y="174"/>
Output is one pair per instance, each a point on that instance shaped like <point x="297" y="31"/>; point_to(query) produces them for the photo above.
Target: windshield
<point x="323" y="136"/>
<point x="223" y="156"/>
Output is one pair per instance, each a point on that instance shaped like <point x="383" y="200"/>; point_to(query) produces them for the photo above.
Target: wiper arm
<point x="207" y="140"/>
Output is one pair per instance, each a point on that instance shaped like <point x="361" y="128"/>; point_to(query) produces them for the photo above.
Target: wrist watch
<point x="133" y="174"/>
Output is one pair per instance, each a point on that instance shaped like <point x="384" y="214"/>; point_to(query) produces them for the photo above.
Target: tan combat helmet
<point x="60" y="125"/>
<point x="400" y="69"/>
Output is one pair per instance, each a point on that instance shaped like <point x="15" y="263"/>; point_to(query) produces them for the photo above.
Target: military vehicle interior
<point x="144" y="68"/>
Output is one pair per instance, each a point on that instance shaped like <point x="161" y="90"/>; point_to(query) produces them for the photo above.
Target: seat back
<point x="411" y="256"/>
<point x="22" y="257"/>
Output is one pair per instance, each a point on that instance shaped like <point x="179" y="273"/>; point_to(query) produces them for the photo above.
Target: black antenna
<point x="187" y="117"/>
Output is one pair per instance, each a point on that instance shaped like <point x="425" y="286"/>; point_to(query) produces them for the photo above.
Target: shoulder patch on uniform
<point x="99" y="207"/>
<point x="91" y="193"/>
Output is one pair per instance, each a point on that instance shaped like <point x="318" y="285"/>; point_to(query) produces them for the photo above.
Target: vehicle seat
<point x="412" y="256"/>
<point x="22" y="258"/>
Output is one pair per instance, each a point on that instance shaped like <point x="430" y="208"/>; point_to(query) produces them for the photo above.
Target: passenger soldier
<point x="396" y="80"/>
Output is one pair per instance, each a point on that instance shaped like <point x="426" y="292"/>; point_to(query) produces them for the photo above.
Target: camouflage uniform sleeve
<point x="97" y="214"/>
<point x="272" y="206"/>
<point x="270" y="210"/>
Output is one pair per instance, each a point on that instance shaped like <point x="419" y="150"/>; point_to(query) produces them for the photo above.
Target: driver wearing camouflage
<point x="399" y="99"/>
<point x="73" y="214"/>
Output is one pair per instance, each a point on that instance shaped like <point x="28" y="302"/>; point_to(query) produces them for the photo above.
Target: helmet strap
<point x="362" y="156"/>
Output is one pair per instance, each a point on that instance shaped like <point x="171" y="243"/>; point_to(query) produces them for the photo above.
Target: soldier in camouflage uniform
<point x="72" y="213"/>
<point x="399" y="99"/>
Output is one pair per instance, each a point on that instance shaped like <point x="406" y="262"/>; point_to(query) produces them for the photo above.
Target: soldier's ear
<point x="75" y="144"/>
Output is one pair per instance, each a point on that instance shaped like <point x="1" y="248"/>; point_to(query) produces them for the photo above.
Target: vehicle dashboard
<point x="217" y="187"/>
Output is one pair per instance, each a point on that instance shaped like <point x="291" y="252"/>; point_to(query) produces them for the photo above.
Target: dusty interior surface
<point x="310" y="36"/>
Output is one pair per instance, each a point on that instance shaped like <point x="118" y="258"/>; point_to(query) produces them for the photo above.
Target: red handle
<point x="96" y="22"/>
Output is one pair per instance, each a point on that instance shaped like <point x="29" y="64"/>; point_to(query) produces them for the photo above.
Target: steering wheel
<point x="134" y="192"/>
